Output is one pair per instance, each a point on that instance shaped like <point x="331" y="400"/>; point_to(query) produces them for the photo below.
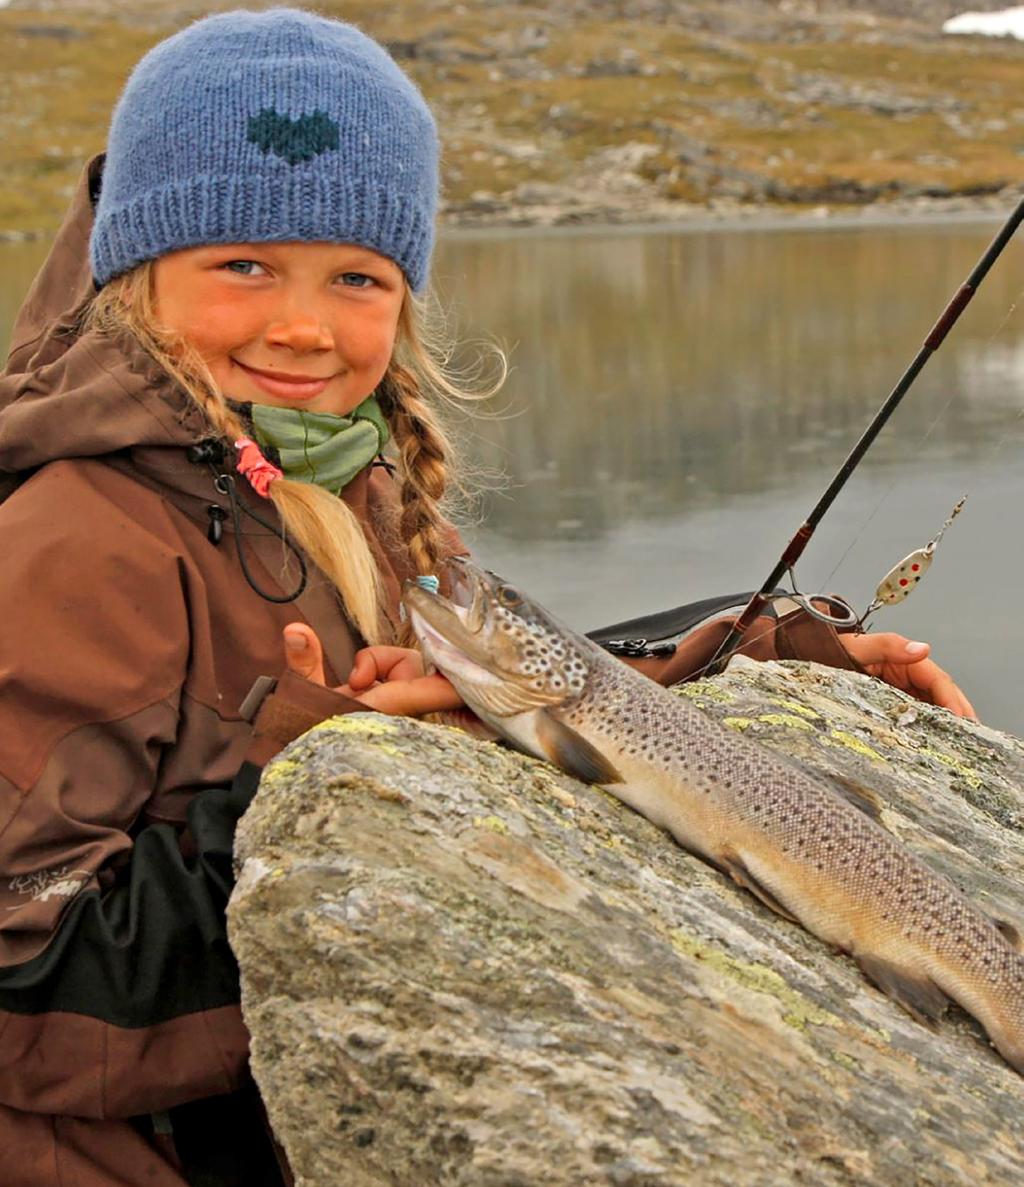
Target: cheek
<point x="372" y="347"/>
<point x="203" y="316"/>
<point x="216" y="326"/>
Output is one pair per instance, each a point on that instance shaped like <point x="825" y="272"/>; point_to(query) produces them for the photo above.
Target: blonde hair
<point x="322" y="524"/>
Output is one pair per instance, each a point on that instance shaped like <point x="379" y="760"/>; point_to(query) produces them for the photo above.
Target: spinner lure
<point x="902" y="579"/>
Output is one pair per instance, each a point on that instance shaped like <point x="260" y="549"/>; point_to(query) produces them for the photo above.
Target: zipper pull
<point x="215" y="531"/>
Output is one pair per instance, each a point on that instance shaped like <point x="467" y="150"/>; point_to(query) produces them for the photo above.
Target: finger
<point x="385" y="663"/>
<point x="934" y="684"/>
<point x="413" y="698"/>
<point x="970" y="711"/>
<point x="940" y="690"/>
<point x="303" y="654"/>
<point x="948" y="695"/>
<point x="902" y="663"/>
<point x="398" y="663"/>
<point x="364" y="670"/>
<point x="884" y="648"/>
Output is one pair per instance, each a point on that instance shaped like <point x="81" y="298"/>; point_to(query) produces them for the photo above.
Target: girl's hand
<point x="387" y="679"/>
<point x="375" y="664"/>
<point x="905" y="665"/>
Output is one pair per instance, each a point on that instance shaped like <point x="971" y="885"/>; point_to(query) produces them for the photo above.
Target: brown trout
<point x="800" y="847"/>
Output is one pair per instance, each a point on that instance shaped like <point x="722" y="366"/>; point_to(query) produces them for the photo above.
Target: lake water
<point x="678" y="400"/>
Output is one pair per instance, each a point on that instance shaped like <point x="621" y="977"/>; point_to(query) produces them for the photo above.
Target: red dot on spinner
<point x="904" y="581"/>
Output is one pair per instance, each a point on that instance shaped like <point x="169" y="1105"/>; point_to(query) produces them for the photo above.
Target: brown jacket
<point x="131" y="638"/>
<point x="130" y="642"/>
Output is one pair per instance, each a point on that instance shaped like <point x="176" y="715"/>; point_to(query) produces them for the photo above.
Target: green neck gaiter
<point x="317" y="447"/>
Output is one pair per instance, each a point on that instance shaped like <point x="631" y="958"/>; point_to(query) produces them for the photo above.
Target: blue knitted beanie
<point x="274" y="125"/>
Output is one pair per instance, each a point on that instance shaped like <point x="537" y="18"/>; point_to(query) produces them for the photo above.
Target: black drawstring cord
<point x="225" y="484"/>
<point x="211" y="452"/>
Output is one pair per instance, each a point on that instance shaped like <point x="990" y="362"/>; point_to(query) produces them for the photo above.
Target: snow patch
<point x="1007" y="23"/>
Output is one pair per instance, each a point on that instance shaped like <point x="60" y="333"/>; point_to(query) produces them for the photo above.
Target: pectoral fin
<point x="919" y="996"/>
<point x="1009" y="932"/>
<point x="862" y="798"/>
<point x="734" y="866"/>
<point x="573" y="753"/>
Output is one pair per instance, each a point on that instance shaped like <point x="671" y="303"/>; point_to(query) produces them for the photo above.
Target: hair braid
<point x="423" y="449"/>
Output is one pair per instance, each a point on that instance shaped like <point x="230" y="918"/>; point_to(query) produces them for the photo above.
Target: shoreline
<point x="598" y="222"/>
<point x="758" y="219"/>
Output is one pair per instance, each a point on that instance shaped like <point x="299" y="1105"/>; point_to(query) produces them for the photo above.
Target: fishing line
<point x="899" y="582"/>
<point x="990" y="453"/>
<point x="902" y="579"/>
<point x="939" y="417"/>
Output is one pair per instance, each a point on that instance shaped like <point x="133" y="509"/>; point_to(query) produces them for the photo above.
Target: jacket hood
<point x="68" y="394"/>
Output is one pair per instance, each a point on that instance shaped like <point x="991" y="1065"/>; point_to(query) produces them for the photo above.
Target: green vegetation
<point x="762" y="110"/>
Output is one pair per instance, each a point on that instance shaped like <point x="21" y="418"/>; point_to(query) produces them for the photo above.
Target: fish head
<point x="504" y="653"/>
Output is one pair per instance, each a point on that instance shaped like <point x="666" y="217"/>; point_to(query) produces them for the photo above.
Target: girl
<point x="223" y="341"/>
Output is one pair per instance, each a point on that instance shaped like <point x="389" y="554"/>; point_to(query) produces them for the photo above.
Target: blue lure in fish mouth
<point x="461" y="590"/>
<point x="440" y="622"/>
<point x="472" y="592"/>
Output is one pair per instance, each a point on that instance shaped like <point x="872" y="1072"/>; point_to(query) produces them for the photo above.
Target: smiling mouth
<point x="280" y="383"/>
<point x="284" y="376"/>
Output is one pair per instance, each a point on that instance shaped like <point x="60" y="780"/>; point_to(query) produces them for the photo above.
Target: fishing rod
<point x="794" y="549"/>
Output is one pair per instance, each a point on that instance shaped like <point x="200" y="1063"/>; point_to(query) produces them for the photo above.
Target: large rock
<point x="462" y="967"/>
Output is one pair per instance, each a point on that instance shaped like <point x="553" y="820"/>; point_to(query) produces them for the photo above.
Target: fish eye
<point x="509" y="597"/>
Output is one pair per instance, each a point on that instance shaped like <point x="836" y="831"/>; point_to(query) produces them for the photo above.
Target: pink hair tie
<point x="254" y="466"/>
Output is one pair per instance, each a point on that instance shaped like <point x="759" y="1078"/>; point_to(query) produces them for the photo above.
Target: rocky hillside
<point x="597" y="110"/>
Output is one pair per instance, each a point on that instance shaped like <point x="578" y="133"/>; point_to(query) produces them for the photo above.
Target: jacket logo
<point x="293" y="140"/>
<point x="42" y="885"/>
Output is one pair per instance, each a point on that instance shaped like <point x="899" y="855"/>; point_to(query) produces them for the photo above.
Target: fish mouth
<point x="448" y="628"/>
<point x="457" y="637"/>
<point x="441" y="655"/>
<point x="462" y="611"/>
<point x="448" y="643"/>
<point x="465" y="591"/>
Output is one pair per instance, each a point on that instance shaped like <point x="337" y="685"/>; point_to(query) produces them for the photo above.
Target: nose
<point x="302" y="333"/>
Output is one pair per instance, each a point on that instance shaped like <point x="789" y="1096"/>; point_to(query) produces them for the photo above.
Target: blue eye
<point x="242" y="267"/>
<point x="357" y="280"/>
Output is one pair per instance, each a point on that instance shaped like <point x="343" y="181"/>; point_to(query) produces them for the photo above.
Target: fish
<point x="807" y="850"/>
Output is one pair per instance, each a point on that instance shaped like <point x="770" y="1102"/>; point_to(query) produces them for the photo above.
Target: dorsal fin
<point x="572" y="752"/>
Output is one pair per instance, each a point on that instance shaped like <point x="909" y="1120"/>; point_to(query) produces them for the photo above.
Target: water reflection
<point x="661" y="373"/>
<point x="680" y="400"/>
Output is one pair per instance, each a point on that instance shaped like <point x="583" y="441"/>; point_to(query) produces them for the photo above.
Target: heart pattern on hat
<point x="293" y="140"/>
